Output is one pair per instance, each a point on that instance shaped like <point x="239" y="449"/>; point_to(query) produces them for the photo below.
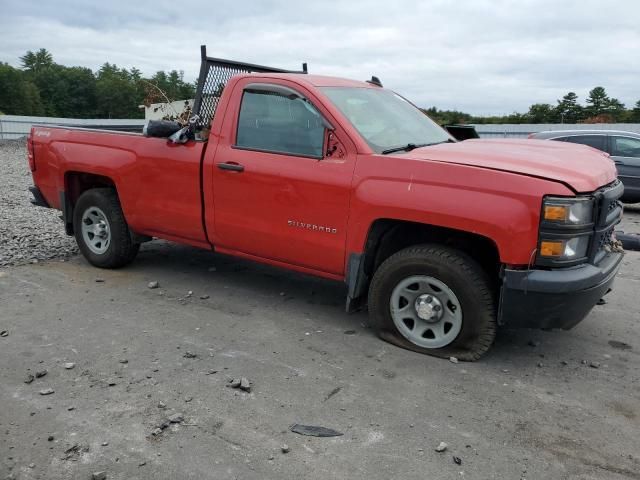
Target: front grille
<point x="608" y="215"/>
<point x="605" y="239"/>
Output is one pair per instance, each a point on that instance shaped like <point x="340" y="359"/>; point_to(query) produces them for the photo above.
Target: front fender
<point x="501" y="206"/>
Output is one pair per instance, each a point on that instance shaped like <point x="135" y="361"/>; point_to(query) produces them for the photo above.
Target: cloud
<point x="484" y="57"/>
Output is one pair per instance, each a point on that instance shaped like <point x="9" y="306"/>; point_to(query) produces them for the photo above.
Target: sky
<point x="482" y="57"/>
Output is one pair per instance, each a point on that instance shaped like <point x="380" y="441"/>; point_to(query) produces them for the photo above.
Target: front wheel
<point x="435" y="300"/>
<point x="101" y="231"/>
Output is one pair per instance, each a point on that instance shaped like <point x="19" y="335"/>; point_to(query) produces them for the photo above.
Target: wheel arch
<point x="387" y="236"/>
<point x="75" y="184"/>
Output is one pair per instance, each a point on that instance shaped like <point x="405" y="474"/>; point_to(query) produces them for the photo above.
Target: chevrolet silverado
<point x="442" y="241"/>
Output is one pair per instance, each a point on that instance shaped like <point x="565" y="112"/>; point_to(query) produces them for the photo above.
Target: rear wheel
<point x="101" y="230"/>
<point x="435" y="300"/>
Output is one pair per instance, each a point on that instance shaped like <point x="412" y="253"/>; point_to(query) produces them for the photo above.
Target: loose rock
<point x="153" y="285"/>
<point x="285" y="448"/>
<point x="162" y="405"/>
<point x="235" y="383"/>
<point x="99" y="476"/>
<point x="4" y="333"/>
<point x="442" y="447"/>
<point x="594" y="364"/>
<point x="46" y="391"/>
<point x="99" y="280"/>
<point x="124" y="361"/>
<point x="176" y="418"/>
<point x="457" y="460"/>
<point x="453" y="359"/>
<point x="30" y="378"/>
<point x="188" y="354"/>
<point x="69" y="365"/>
<point x="245" y="384"/>
<point x="204" y="297"/>
<point x="41" y="373"/>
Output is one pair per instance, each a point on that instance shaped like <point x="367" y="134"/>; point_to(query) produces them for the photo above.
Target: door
<point x="625" y="152"/>
<point x="277" y="193"/>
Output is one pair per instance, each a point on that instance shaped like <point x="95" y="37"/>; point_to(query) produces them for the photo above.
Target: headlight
<point x="564" y="249"/>
<point x="568" y="211"/>
<point x="566" y="228"/>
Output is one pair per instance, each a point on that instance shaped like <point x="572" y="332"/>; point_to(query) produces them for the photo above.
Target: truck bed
<point x="157" y="173"/>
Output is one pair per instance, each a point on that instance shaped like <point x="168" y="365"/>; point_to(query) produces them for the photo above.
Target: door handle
<point x="234" y="167"/>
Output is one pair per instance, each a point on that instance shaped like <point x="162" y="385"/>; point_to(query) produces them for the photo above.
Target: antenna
<point x="375" y="81"/>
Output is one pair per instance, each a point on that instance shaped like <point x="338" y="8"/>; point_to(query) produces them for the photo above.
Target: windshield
<point x="385" y="119"/>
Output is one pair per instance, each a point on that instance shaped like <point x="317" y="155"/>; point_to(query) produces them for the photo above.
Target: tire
<point x="98" y="210"/>
<point x="465" y="301"/>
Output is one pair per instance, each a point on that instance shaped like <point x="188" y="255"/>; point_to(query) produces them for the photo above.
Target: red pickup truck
<point x="444" y="241"/>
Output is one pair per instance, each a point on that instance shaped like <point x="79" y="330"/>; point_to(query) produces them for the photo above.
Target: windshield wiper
<point x="405" y="148"/>
<point x="411" y="146"/>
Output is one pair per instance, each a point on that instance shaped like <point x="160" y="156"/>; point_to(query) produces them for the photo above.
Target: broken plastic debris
<point x="313" y="431"/>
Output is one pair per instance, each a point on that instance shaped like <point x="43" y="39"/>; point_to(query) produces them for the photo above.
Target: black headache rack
<point x="214" y="76"/>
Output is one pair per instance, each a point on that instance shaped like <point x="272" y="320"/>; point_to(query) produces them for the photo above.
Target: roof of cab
<point x="316" y="80"/>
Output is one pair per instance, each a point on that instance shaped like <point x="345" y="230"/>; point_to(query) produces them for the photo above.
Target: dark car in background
<point x="624" y="148"/>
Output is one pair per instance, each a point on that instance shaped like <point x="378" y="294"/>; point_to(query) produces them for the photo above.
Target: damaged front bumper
<point x="558" y="298"/>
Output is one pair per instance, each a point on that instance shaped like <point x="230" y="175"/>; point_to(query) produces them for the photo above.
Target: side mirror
<point x="181" y="136"/>
<point x="334" y="147"/>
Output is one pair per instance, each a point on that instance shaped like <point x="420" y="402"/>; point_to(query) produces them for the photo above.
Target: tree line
<point x="42" y="87"/>
<point x="599" y="108"/>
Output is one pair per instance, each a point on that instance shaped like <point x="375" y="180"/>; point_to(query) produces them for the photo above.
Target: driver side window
<point x="272" y="122"/>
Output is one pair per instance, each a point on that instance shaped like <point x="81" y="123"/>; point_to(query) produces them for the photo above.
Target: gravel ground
<point x="28" y="234"/>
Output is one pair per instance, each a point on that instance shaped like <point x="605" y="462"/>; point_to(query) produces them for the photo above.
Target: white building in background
<point x="157" y="111"/>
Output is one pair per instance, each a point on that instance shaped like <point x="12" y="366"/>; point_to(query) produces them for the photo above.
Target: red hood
<point x="582" y="168"/>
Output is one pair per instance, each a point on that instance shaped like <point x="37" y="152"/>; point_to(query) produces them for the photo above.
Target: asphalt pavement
<point x="122" y="358"/>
